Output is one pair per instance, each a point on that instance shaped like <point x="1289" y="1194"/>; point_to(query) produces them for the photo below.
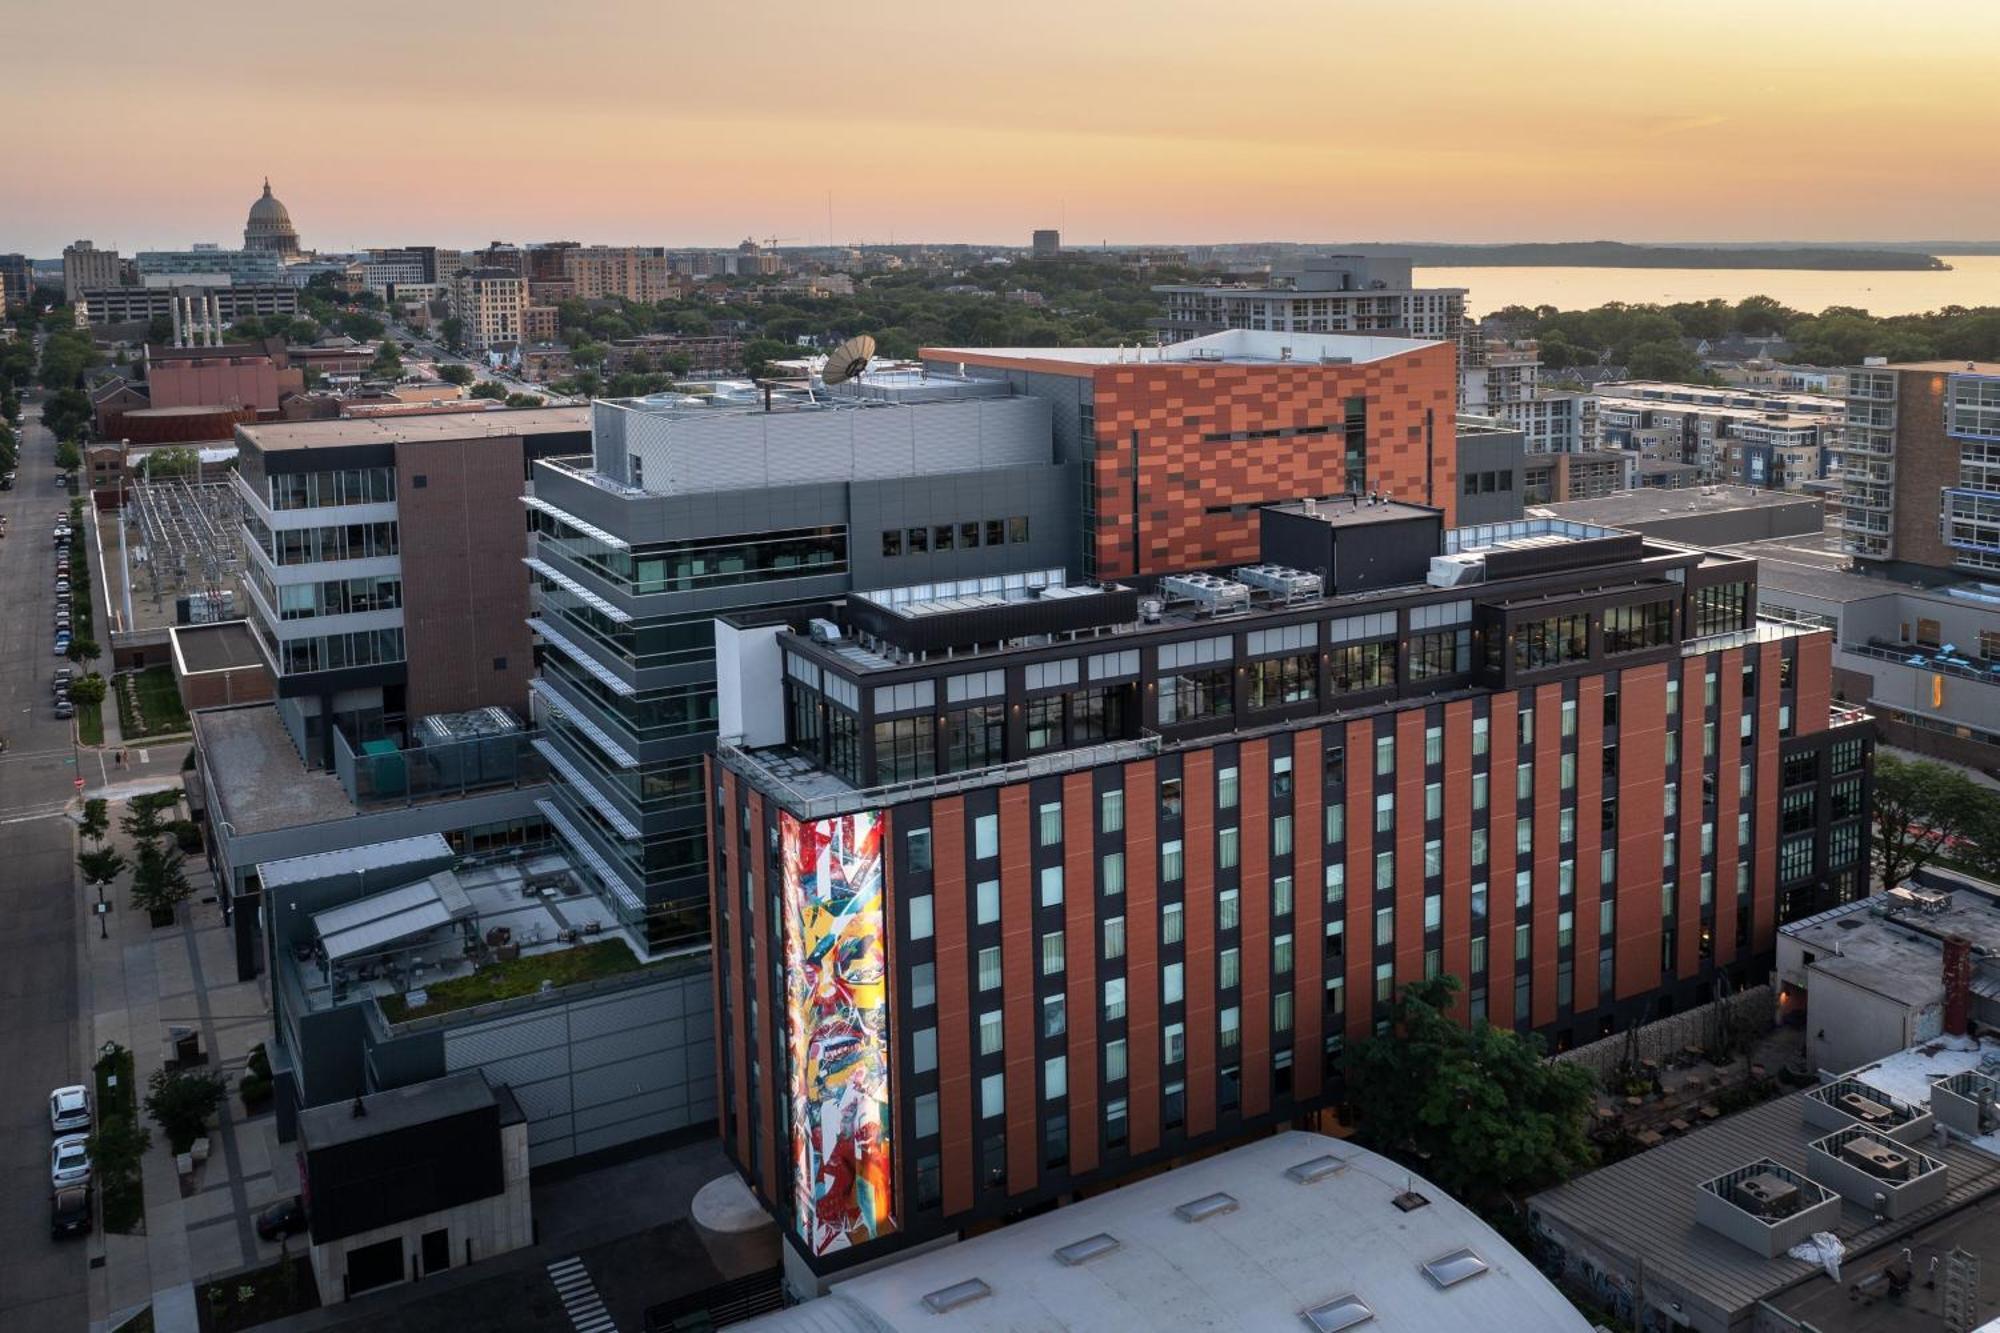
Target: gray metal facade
<point x="1482" y="452"/>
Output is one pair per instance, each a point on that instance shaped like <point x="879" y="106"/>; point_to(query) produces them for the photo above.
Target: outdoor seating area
<point x="449" y="925"/>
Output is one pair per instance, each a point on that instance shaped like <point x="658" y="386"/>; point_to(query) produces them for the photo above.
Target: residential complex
<point x="1080" y="878"/>
<point x="1503" y="380"/>
<point x="1740" y="434"/>
<point x="1920" y="460"/>
<point x="1330" y="294"/>
<point x="630" y="272"/>
<point x="490" y="301"/>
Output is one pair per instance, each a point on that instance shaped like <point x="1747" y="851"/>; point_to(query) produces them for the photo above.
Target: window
<point x="1230" y="1025"/>
<point x="1481" y="796"/>
<point x="986" y="902"/>
<point x="1111" y="811"/>
<point x="1385" y="926"/>
<point x="1521" y="943"/>
<point x="923" y="985"/>
<point x="1281" y="836"/>
<point x="1524" y="781"/>
<point x="1228" y="848"/>
<point x="1171" y="918"/>
<point x="1434" y="857"/>
<point x="1112" y="870"/>
<point x="1569" y="717"/>
<point x="1114" y="1069"/>
<point x="1433" y="800"/>
<point x="1114" y="937"/>
<point x="1481" y="735"/>
<point x="1055" y="1015"/>
<point x="1336" y="883"/>
<point x="986" y="836"/>
<point x="1115" y="1130"/>
<point x="1172" y="983"/>
<point x="1385" y="812"/>
<point x="1114" y="999"/>
<point x="1173" y="1043"/>
<point x="1225" y="788"/>
<point x="1281" y="1011"/>
<point x="1385" y="870"/>
<point x="1281" y="895"/>
<point x="1052" y="886"/>
<point x="1385" y="755"/>
<point x="993" y="1096"/>
<point x="1281" y="953"/>
<point x="1051" y="824"/>
<point x="1229" y="968"/>
<point x="927" y="1115"/>
<point x="1628" y="629"/>
<point x="1052" y="953"/>
<point x="919" y="845"/>
<point x="923" y="1050"/>
<point x="991" y="1032"/>
<point x="1565" y="929"/>
<point x="1336" y="821"/>
<point x="1227" y="909"/>
<point x="1170" y="798"/>
<point x="989" y="968"/>
<point x="1549" y="642"/>
<point x="918" y="909"/>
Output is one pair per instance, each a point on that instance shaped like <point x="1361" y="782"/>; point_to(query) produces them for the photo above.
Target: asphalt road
<point x="42" y="1281"/>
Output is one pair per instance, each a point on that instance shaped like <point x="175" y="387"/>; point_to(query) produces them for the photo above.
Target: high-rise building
<point x="490" y="301"/>
<point x="1021" y="892"/>
<point x="633" y="272"/>
<point x="245" y="266"/>
<point x="383" y="585"/>
<point x="87" y="268"/>
<point x="733" y="501"/>
<point x="1047" y="243"/>
<point x="1182" y="443"/>
<point x="17" y="281"/>
<point x="1920" y="460"/>
<point x="1755" y="437"/>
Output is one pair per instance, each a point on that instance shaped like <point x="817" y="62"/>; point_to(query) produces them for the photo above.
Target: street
<point x="42" y="1281"/>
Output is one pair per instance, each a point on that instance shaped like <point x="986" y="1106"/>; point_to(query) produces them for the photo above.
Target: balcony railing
<point x="1928" y="659"/>
<point x="1768" y="629"/>
<point x="429" y="772"/>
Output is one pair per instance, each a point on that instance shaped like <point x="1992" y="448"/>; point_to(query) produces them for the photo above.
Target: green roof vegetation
<point x="515" y="977"/>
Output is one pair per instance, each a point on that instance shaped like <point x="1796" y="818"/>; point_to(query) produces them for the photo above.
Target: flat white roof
<point x="353" y="860"/>
<point x="1231" y="347"/>
<point x="1249" y="1239"/>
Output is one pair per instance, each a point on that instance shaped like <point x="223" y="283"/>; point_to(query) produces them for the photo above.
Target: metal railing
<point x="1904" y="656"/>
<point x="1768" y="629"/>
<point x="426" y="772"/>
<point x="729" y="750"/>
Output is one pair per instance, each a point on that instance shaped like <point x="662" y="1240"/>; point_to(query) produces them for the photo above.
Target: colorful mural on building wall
<point x="837" y="1008"/>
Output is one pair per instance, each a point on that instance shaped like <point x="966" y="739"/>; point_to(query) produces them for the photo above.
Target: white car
<point x="69" y="1160"/>
<point x="69" y="1109"/>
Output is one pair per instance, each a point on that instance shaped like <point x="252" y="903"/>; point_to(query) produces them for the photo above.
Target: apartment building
<point x="1330" y="294"/>
<point x="1744" y="434"/>
<point x="1502" y="380"/>
<point x="1081" y="879"/>
<point x="384" y="565"/>
<point x="87" y="268"/>
<point x="632" y="272"/>
<point x="1183" y="443"/>
<point x="17" y="281"/>
<point x="491" y="302"/>
<point x="1920" y="461"/>
<point x="690" y="506"/>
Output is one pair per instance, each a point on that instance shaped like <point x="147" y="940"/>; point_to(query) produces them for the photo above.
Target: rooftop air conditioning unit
<point x="1149" y="610"/>
<point x="1455" y="571"/>
<point x="1877" y="1159"/>
<point x="1766" y="1195"/>
<point x="1865" y="1109"/>
<point x="822" y="630"/>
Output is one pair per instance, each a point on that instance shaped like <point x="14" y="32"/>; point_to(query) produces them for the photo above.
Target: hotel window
<point x="1385" y="870"/>
<point x="1385" y="926"/>
<point x="919" y="845"/>
<point x="992" y="1096"/>
<point x="1052" y="886"/>
<point x="1225" y="788"/>
<point x="1055" y="1077"/>
<point x="1055" y="1015"/>
<point x="1434" y="857"/>
<point x="1281" y="953"/>
<point x="1172" y="861"/>
<point x="1231" y="1028"/>
<point x="986" y="902"/>
<point x="1114" y="1070"/>
<point x="1281" y="1011"/>
<point x="1227" y="909"/>
<point x="927" y="1115"/>
<point x="1385" y="986"/>
<point x="919" y="912"/>
<point x="991" y="1032"/>
<point x="1051" y="822"/>
<point x="923" y="985"/>
<point x="923" y="1050"/>
<point x="1281" y="895"/>
<point x="1566" y="773"/>
<point x="1385" y="755"/>
<point x="1336" y="997"/>
<point x="1111" y="811"/>
<point x="1114" y="999"/>
<point x="1336" y="821"/>
<point x="1112" y="870"/>
<point x="1173" y="1043"/>
<point x="1385" y="812"/>
<point x="1524" y="834"/>
<point x="1434" y="745"/>
<point x="989" y="968"/>
<point x="1565" y="878"/>
<point x="1480" y="786"/>
<point x="1521" y="943"/>
<point x="1114" y="937"/>
<point x="1281" y="836"/>
<point x="1566" y="824"/>
<point x="1172" y="984"/>
<point x="986" y="836"/>
<point x="1478" y="901"/>
<point x="1229" y="968"/>
<point x="1569" y="717"/>
<point x="1052" y="953"/>
<point x="1115" y="1128"/>
<point x="1172" y="916"/>
<point x="1281" y="776"/>
<point x="1481" y="734"/>
<point x="1228" y="846"/>
<point x="1170" y="798"/>
<point x="1524" y="781"/>
<point x="1336" y="883"/>
<point x="1433" y="800"/>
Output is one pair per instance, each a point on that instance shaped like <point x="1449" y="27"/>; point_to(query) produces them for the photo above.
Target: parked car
<point x="65" y="709"/>
<point x="64" y="675"/>
<point x="286" y="1217"/>
<point x="69" y="1211"/>
<point x="69" y="1160"/>
<point x="62" y="587"/>
<point x="62" y="644"/>
<point x="69" y="1109"/>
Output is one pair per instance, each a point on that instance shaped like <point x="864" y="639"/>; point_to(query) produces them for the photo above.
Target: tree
<point x="759" y="352"/>
<point x="180" y="1102"/>
<point x="454" y="374"/>
<point x="488" y="389"/>
<point x="90" y="690"/>
<point x="101" y="866"/>
<point x="67" y="414"/>
<point x="1921" y="809"/>
<point x="1476" y="1108"/>
<point x="361" y="326"/>
<point x="117" y="1146"/>
<point x="145" y="815"/>
<point x="96" y="821"/>
<point x="159" y="330"/>
<point x="84" y="650"/>
<point x="1663" y="360"/>
<point x="159" y="880"/>
<point x="68" y="457"/>
<point x="453" y="329"/>
<point x="172" y="463"/>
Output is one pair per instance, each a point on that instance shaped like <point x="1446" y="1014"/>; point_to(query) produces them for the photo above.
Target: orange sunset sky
<point x="151" y="125"/>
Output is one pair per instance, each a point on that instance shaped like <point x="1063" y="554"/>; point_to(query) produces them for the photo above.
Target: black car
<point x="69" y="1211"/>
<point x="286" y="1217"/>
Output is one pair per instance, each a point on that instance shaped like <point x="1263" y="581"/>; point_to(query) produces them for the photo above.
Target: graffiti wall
<point x="837" y="1012"/>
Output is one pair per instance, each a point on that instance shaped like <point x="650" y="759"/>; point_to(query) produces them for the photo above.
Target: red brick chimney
<point x="1957" y="983"/>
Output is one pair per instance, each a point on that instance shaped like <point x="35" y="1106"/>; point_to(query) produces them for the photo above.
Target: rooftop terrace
<point x="1235" y="347"/>
<point x="341" y="431"/>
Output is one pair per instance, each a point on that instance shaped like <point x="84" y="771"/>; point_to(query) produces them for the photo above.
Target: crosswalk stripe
<point x="581" y="1301"/>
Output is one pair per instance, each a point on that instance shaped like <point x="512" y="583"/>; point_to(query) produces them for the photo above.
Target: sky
<point x="682" y="124"/>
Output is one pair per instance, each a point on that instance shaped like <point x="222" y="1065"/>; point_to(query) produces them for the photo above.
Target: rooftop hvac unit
<point x="1212" y="593"/>
<point x="822" y="630"/>
<point x="1766" y="1195"/>
<point x="1877" y="1159"/>
<point x="1282" y="581"/>
<point x="1150" y="609"/>
<point x="1455" y="571"/>
<point x="1865" y="1109"/>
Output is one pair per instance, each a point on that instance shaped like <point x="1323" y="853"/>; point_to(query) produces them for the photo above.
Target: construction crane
<point x="772" y="242"/>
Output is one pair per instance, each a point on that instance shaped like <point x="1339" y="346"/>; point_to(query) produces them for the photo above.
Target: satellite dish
<point x="848" y="360"/>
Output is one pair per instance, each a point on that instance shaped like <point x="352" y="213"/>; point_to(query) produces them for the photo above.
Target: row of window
<point x="966" y="536"/>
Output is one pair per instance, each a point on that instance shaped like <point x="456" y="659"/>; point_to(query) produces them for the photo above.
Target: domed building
<point x="270" y="226"/>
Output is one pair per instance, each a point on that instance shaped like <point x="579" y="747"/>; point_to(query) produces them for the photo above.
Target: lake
<point x="1973" y="280"/>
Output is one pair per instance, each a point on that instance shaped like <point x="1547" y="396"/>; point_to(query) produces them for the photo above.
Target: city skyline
<point x="1133" y="124"/>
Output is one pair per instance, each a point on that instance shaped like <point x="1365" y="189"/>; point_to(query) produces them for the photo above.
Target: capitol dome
<point x="270" y="226"/>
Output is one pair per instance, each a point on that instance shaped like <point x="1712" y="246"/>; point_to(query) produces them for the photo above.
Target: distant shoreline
<point x="1613" y="254"/>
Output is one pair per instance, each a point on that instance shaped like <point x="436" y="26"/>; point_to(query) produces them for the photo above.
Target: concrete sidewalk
<point x="138" y="984"/>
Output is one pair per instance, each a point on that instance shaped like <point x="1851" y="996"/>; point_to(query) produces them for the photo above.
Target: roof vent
<point x="1317" y="1168"/>
<point x="1090" y="1247"/>
<point x="1348" y="1311"/>
<point x="1448" y="1270"/>
<point x="946" y="1299"/>
<point x="1209" y="1205"/>
<point x="1409" y="1201"/>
